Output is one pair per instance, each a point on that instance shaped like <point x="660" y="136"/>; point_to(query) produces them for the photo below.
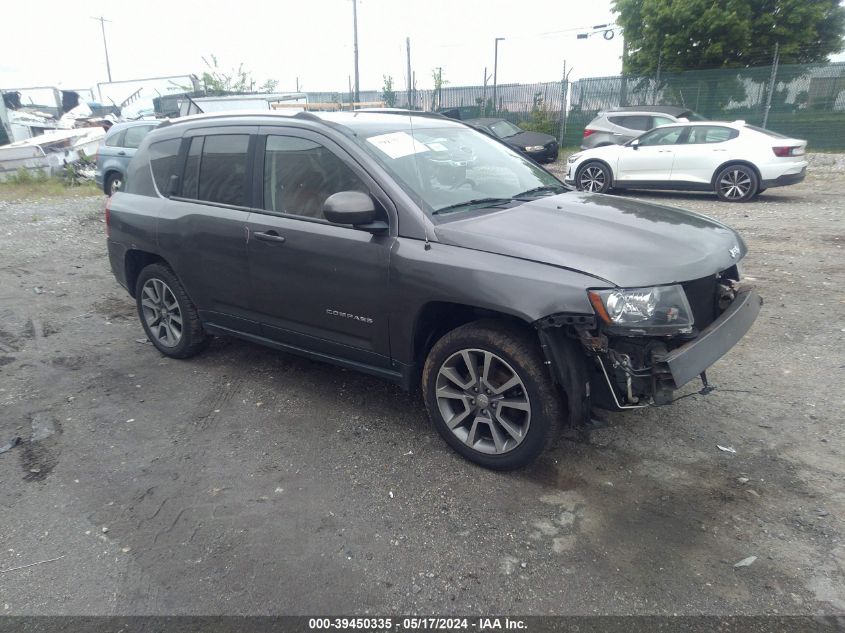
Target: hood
<point x="621" y="241"/>
<point x="527" y="139"/>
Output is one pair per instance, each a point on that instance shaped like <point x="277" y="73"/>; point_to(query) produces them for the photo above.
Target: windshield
<point x="457" y="167"/>
<point x="504" y="129"/>
<point x="694" y="116"/>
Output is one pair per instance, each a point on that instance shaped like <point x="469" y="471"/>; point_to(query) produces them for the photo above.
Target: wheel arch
<point x="437" y="318"/>
<point x="602" y="162"/>
<point x="134" y="262"/>
<point x="728" y="163"/>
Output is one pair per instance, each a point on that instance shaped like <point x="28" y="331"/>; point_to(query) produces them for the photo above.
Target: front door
<point x="315" y="284"/>
<point x="650" y="160"/>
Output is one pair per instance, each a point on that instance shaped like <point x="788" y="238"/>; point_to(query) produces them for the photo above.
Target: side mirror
<point x="355" y="208"/>
<point x="635" y="143"/>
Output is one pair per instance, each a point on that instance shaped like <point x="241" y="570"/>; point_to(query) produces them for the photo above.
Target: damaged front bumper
<point x="691" y="359"/>
<point x="636" y="372"/>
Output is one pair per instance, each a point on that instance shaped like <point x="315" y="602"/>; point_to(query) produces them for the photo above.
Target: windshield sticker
<point x="437" y="147"/>
<point x="397" y="144"/>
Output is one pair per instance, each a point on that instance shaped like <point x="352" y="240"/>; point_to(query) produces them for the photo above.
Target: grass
<point x="24" y="185"/>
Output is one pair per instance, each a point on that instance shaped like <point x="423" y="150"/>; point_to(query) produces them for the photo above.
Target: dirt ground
<point x="246" y="481"/>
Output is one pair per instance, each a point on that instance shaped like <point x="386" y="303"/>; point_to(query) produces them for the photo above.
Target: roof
<point x="484" y="121"/>
<point x="359" y="121"/>
<point x="663" y="109"/>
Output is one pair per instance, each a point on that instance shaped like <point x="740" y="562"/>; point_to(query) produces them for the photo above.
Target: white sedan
<point x="735" y="160"/>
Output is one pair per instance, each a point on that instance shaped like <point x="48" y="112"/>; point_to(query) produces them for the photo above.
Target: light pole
<point x="495" y="69"/>
<point x="102" y="22"/>
<point x="355" y="26"/>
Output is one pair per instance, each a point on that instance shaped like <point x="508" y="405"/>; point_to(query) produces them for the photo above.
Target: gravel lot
<point x="246" y="481"/>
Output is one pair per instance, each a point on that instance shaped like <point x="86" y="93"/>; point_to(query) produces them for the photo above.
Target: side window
<point x="192" y="169"/>
<point x="164" y="162"/>
<point x="134" y="135"/>
<point x="222" y="173"/>
<point x="657" y="121"/>
<point x="637" y="122"/>
<point x="300" y="174"/>
<point x="116" y="140"/>
<point x="711" y="134"/>
<point x="661" y="136"/>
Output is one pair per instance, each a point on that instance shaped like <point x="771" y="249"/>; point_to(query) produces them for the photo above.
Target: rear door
<point x="315" y="284"/>
<point x="131" y="141"/>
<point x="650" y="160"/>
<point x="204" y="226"/>
<point x="629" y="126"/>
<point x="703" y="149"/>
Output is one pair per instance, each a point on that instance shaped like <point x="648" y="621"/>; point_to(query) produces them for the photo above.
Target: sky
<point x="61" y="45"/>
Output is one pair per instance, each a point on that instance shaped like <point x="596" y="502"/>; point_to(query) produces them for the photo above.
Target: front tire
<point x="736" y="183"/>
<point x="167" y="314"/>
<point x="593" y="177"/>
<point x="113" y="184"/>
<point x="490" y="396"/>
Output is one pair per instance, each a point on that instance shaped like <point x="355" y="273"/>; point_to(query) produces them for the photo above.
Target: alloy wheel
<point x="483" y="401"/>
<point x="735" y="184"/>
<point x="161" y="312"/>
<point x="592" y="178"/>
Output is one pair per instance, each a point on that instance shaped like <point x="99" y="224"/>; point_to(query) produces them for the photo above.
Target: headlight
<point x="573" y="158"/>
<point x="658" y="310"/>
<point x="534" y="148"/>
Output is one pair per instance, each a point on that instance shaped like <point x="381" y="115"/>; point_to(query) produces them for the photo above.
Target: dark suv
<point x="420" y="250"/>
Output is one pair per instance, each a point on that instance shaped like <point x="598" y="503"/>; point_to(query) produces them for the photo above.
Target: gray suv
<point x="116" y="150"/>
<point x="422" y="251"/>
<point x="617" y="127"/>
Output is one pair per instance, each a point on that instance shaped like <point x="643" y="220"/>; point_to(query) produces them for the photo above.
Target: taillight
<point x="588" y="132"/>
<point x="783" y="152"/>
<point x="108" y="217"/>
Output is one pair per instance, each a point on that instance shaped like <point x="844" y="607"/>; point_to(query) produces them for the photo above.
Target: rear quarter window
<point x="164" y="162"/>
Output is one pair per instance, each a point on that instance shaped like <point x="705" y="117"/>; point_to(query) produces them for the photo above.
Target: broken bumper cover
<point x="688" y="361"/>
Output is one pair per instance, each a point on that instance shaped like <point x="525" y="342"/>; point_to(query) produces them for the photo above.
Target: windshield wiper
<point x="469" y="203"/>
<point x="543" y="189"/>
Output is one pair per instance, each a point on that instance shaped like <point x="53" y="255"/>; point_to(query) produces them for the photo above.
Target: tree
<point x="437" y="77"/>
<point x="690" y="34"/>
<point x="237" y="80"/>
<point x="388" y="95"/>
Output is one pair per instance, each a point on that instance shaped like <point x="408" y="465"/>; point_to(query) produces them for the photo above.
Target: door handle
<point x="121" y="153"/>
<point x="720" y="150"/>
<point x="269" y="236"/>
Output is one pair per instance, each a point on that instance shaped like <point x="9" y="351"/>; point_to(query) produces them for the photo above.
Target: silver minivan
<point x="618" y="126"/>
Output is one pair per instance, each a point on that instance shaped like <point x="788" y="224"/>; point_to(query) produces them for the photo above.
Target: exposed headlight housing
<point x="657" y="310"/>
<point x="534" y="148"/>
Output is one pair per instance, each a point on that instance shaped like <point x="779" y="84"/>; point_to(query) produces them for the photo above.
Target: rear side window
<point x="164" y="162"/>
<point x="710" y="134"/>
<point x="222" y="169"/>
<point x="133" y="136"/>
<point x="633" y="122"/>
<point x="300" y="174"/>
<point x="657" y="121"/>
<point x="765" y="131"/>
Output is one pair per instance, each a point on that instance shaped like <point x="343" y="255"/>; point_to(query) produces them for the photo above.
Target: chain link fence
<point x="804" y="101"/>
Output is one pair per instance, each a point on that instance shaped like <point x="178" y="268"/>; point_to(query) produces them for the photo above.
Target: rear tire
<point x="167" y="314"/>
<point x="490" y="395"/>
<point x="736" y="183"/>
<point x="593" y="177"/>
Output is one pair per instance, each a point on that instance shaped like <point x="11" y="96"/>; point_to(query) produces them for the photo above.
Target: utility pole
<point x="775" y="62"/>
<point x="495" y="73"/>
<point x="410" y="78"/>
<point x="102" y="22"/>
<point x="355" y="26"/>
